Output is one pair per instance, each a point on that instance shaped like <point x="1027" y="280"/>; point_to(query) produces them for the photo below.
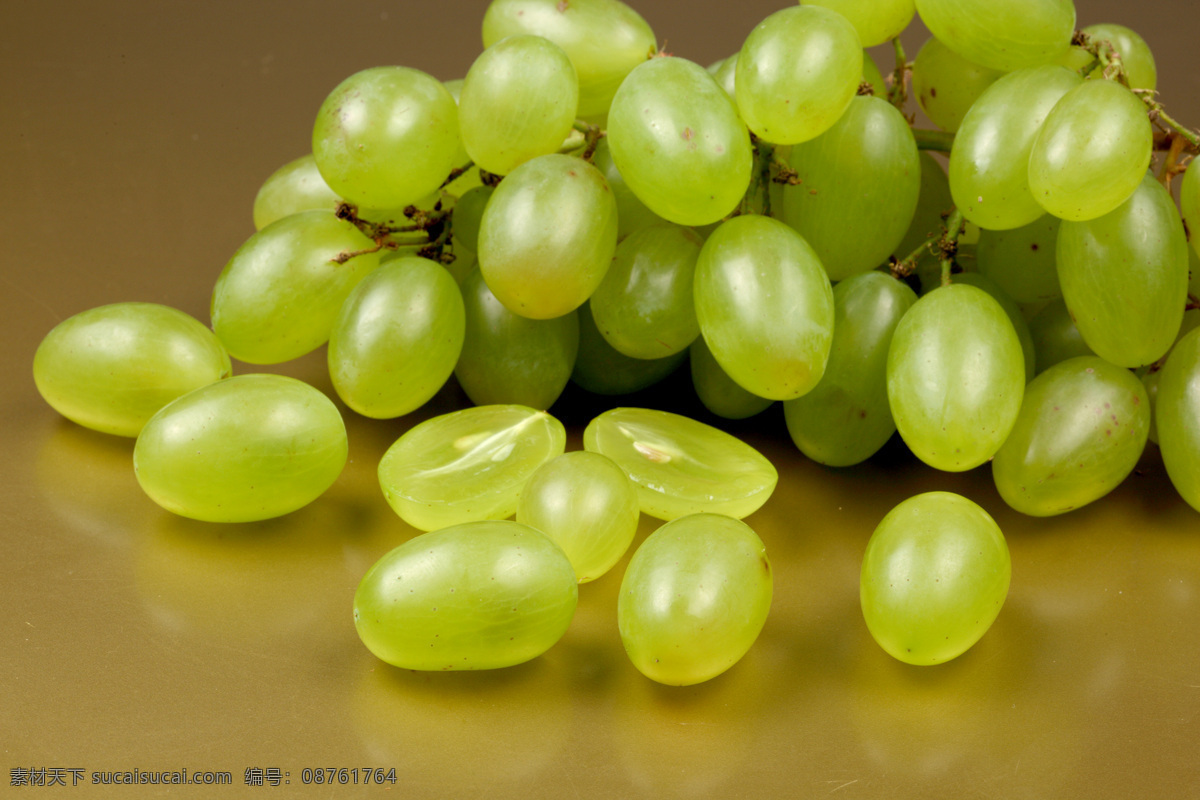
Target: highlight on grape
<point x="1010" y="286"/>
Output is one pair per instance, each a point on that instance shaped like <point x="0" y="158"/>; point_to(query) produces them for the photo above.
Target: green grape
<point x="1081" y="431"/>
<point x="386" y="137"/>
<point x="248" y="448"/>
<point x="846" y="418"/>
<point x="518" y="102"/>
<point x="507" y="358"/>
<point x="946" y="84"/>
<point x="678" y="142"/>
<point x="1150" y="375"/>
<point x="587" y="506"/>
<point x="1189" y="204"/>
<point x="605" y="40"/>
<point x="632" y="214"/>
<point x="873" y="76"/>
<point x="694" y="598"/>
<point x="1177" y="416"/>
<point x="797" y="72"/>
<point x="726" y="76"/>
<point x="480" y="595"/>
<point x="113" y="367"/>
<point x="718" y="392"/>
<point x="765" y="306"/>
<point x="294" y="187"/>
<point x="955" y="376"/>
<point x="1124" y="276"/>
<point x="1136" y="57"/>
<point x="280" y="293"/>
<point x="989" y="163"/>
<point x="876" y="21"/>
<point x="1091" y="151"/>
<point x="467" y="465"/>
<point x="1012" y="309"/>
<point x="934" y="576"/>
<point x="681" y="466"/>
<point x="468" y="216"/>
<point x="860" y="181"/>
<point x="1004" y="36"/>
<point x="547" y="236"/>
<point x="601" y="369"/>
<point x="644" y="306"/>
<point x="397" y="338"/>
<point x="933" y="203"/>
<point x="1022" y="260"/>
<point x="461" y="156"/>
<point x="1055" y="335"/>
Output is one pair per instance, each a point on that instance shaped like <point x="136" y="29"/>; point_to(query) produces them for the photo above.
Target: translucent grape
<point x="677" y="140"/>
<point x="682" y="466"/>
<point x="386" y="137"/>
<point x="1082" y="427"/>
<point x="248" y="448"/>
<point x="280" y="293"/>
<point x="547" y="236"/>
<point x="397" y="338"/>
<point x="113" y="367"/>
<point x="480" y="595"/>
<point x="718" y="392"/>
<point x="467" y="465"/>
<point x="1091" y="152"/>
<point x="765" y="306"/>
<point x="1004" y="36"/>
<point x="587" y="506"/>
<point x="1022" y="260"/>
<point x="876" y="21"/>
<point x="294" y="187"/>
<point x="1177" y="417"/>
<point x="601" y="369"/>
<point x="946" y="84"/>
<point x="694" y="598"/>
<point x="934" y="577"/>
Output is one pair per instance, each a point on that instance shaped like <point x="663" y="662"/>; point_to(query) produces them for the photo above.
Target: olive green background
<point x="133" y="137"/>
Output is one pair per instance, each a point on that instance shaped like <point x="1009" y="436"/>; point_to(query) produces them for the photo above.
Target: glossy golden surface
<point x="134" y="138"/>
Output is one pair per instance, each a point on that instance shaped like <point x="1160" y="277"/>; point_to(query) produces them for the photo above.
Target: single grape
<point x="876" y="21"/>
<point x="718" y="392"/>
<point x="632" y="214"/>
<point x="1022" y="260"/>
<point x="873" y="76"/>
<point x="1005" y="36"/>
<point x="601" y="369"/>
<point x="1136" y="57"/>
<point x="682" y="466"/>
<point x="934" y="577"/>
<point x="946" y="84"/>
<point x="467" y="465"/>
<point x="248" y="448"/>
<point x="468" y="216"/>
<point x="1055" y="335"/>
<point x="1177" y="416"/>
<point x="1189" y="204"/>
<point x="725" y="75"/>
<point x="933" y="204"/>
<point x="694" y="598"/>
<point x="1012" y="309"/>
<point x="480" y="595"/>
<point x="296" y="186"/>
<point x="113" y="367"/>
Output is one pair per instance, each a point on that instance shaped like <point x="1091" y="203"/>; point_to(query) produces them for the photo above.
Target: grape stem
<point x="944" y="245"/>
<point x="455" y="174"/>
<point x="940" y="141"/>
<point x="898" y="80"/>
<point x="760" y="178"/>
<point x="948" y="244"/>
<point x="592" y="134"/>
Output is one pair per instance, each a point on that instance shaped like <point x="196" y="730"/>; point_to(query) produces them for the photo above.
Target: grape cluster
<point x="583" y="207"/>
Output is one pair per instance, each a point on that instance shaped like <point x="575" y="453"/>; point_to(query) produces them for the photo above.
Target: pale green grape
<point x="601" y="369"/>
<point x="846" y="418"/>
<point x="587" y="506"/>
<point x="934" y="577"/>
<point x="1005" y="36"/>
<point x="1012" y="309"/>
<point x="694" y="598"/>
<point x="726" y="75"/>
<point x="632" y="213"/>
<point x="989" y="163"/>
<point x="955" y="377"/>
<point x="765" y="306"/>
<point x="678" y="142"/>
<point x="547" y="236"/>
<point x="605" y="40"/>
<point x="507" y="358"/>
<point x="876" y="21"/>
<point x="718" y="392"/>
<point x="468" y="216"/>
<point x="860" y="181"/>
<point x="1081" y="430"/>
<point x="1091" y="152"/>
<point x="248" y="448"/>
<point x="1124" y="276"/>
<point x="113" y="367"/>
<point x="682" y="466"/>
<point x="480" y="595"/>
<point x="933" y="204"/>
<point x="386" y="137"/>
<point x="1055" y="335"/>
<point x="1189" y="205"/>
<point x="1177" y="416"/>
<point x="294" y="187"/>
<point x="797" y="72"/>
<point x="461" y="156"/>
<point x="1022" y="260"/>
<point x="873" y="76"/>
<point x="280" y="293"/>
<point x="467" y="465"/>
<point x="1150" y="374"/>
<point x="1135" y="53"/>
<point x="397" y="338"/>
<point x="518" y="102"/>
<point x="946" y="84"/>
<point x="644" y="306"/>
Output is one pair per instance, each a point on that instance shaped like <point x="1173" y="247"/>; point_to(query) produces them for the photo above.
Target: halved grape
<point x="296" y="186"/>
<point x="1005" y="36"/>
<point x="480" y="595"/>
<point x="694" y="598"/>
<point x="467" y="465"/>
<point x="243" y="449"/>
<point x="680" y="465"/>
